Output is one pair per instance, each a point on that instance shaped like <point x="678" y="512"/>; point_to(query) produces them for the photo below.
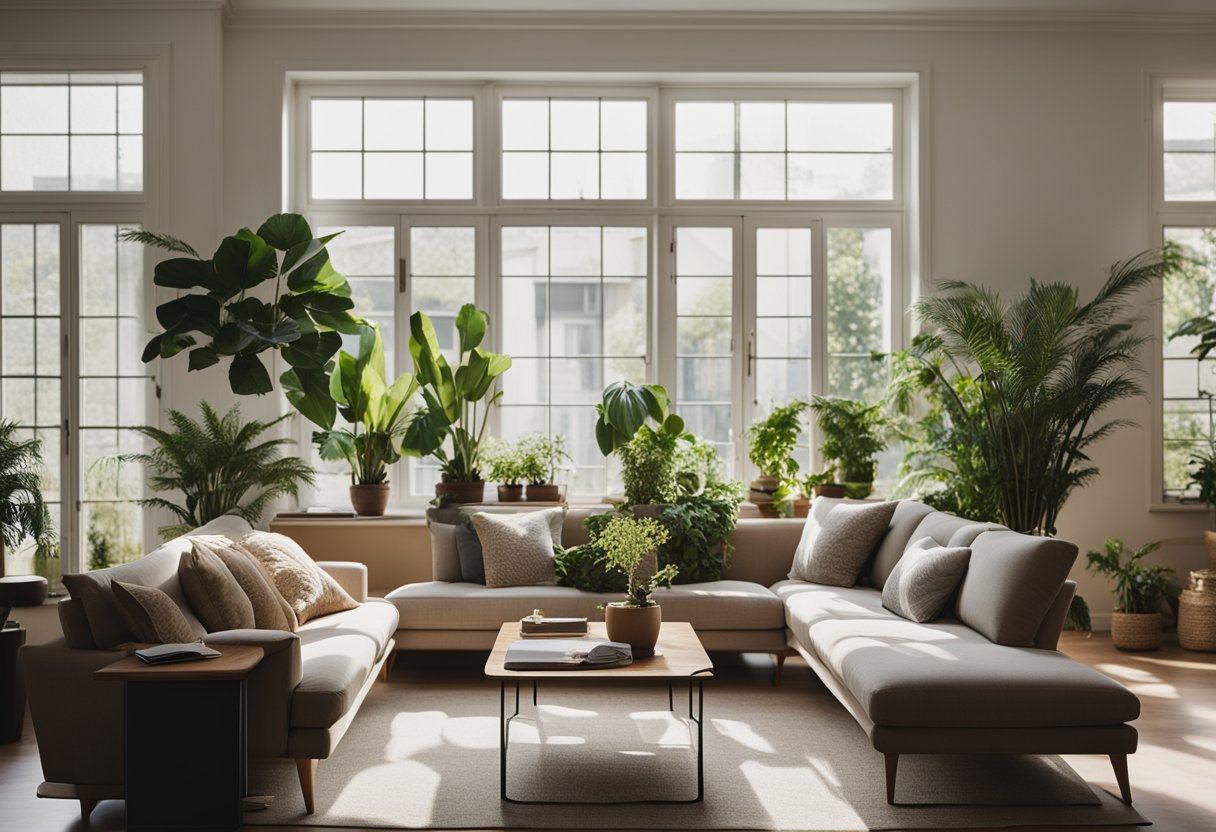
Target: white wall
<point x="1038" y="162"/>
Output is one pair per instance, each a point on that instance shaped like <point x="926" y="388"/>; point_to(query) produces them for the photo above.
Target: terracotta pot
<point x="833" y="490"/>
<point x="1209" y="542"/>
<point x="802" y="507"/>
<point x="1136" y="631"/>
<point x="636" y="626"/>
<point x="510" y="493"/>
<point x="369" y="499"/>
<point x="461" y="492"/>
<point x="546" y="493"/>
<point x="760" y="494"/>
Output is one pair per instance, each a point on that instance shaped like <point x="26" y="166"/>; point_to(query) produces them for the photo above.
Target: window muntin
<point x="79" y="131"/>
<point x="574" y="149"/>
<point x="364" y="148"/>
<point x="574" y="311"/>
<point x="784" y="150"/>
<point x="1189" y="151"/>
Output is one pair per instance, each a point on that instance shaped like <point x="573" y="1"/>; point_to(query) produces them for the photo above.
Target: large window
<point x="740" y="248"/>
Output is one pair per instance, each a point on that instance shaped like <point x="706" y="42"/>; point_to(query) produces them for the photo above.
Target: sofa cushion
<point x="375" y="619"/>
<point x="151" y="614"/>
<point x="517" y="549"/>
<point x="157" y="569"/>
<point x="270" y="610"/>
<point x="469" y="551"/>
<point x="924" y="579"/>
<point x="1012" y="582"/>
<point x="211" y="589"/>
<point x="944" y="674"/>
<point x="908" y="515"/>
<point x="334" y="667"/>
<point x="445" y="557"/>
<point x="718" y="605"/>
<point x="834" y="550"/>
<point x="306" y="587"/>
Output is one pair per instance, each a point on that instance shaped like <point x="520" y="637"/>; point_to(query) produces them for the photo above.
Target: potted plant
<point x="647" y="454"/>
<point x="23" y="514"/>
<point x="504" y="466"/>
<point x="452" y="423"/>
<point x="628" y="544"/>
<point x="1203" y="475"/>
<point x="853" y="433"/>
<point x="540" y="457"/>
<point x="771" y="442"/>
<point x="376" y="412"/>
<point x="1139" y="590"/>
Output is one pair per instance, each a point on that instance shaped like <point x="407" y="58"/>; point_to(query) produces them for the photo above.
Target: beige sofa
<point x="940" y="687"/>
<point x="302" y="697"/>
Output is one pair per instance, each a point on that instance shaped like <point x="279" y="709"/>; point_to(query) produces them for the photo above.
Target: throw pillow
<point x="445" y="558"/>
<point x="468" y="550"/>
<point x="151" y="614"/>
<point x="924" y="579"/>
<point x="307" y="588"/>
<point x="833" y="551"/>
<point x="518" y="548"/>
<point x="213" y="593"/>
<point x="270" y="610"/>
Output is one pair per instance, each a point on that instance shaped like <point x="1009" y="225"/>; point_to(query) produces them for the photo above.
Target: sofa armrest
<point x="270" y="686"/>
<point x="350" y="575"/>
<point x="1048" y="636"/>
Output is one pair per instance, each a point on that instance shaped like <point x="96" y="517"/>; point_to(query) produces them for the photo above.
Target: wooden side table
<point x="184" y="736"/>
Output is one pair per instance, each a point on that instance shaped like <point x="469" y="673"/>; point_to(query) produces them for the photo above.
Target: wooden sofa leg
<point x="87" y="806"/>
<point x="778" y="666"/>
<point x="307" y="769"/>
<point x="1119" y="763"/>
<point x="892" y="764"/>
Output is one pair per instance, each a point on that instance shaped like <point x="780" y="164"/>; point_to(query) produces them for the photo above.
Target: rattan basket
<point x="1204" y="580"/>
<point x="1136" y="631"/>
<point x="1197" y="619"/>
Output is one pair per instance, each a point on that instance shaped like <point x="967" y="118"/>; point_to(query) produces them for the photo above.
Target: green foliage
<point x="23" y="514"/>
<point x="1078" y="616"/>
<point x="648" y="467"/>
<point x="1203" y="475"/>
<point x="699" y="530"/>
<point x="624" y="411"/>
<point x="853" y="434"/>
<point x="540" y="456"/>
<point x="1138" y="588"/>
<point x="1049" y="365"/>
<point x="453" y="422"/>
<point x="375" y="410"/>
<point x="218" y="466"/>
<point x="309" y="308"/>
<point x="856" y="315"/>
<point x="699" y="472"/>
<point x="625" y="540"/>
<point x="771" y="440"/>
<point x="583" y="567"/>
<point x="502" y="462"/>
<point x="101" y="554"/>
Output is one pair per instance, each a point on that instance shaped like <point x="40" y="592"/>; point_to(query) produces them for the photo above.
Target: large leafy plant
<point x="626" y="409"/>
<point x="853" y="433"/>
<point x="23" y="514"/>
<point x="219" y="316"/>
<point x="771" y="440"/>
<point x="376" y="411"/>
<point x="1139" y="588"/>
<point x="453" y="421"/>
<point x="1047" y="367"/>
<point x="219" y="465"/>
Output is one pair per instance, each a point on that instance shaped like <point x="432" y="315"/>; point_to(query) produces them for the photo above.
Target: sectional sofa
<point x="302" y="697"/>
<point x="984" y="678"/>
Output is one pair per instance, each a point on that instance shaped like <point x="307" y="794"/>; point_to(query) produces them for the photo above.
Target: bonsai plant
<point x="452" y="423"/>
<point x="853" y="433"/>
<point x="219" y="467"/>
<point x="23" y="514"/>
<point x="504" y="466"/>
<point x="771" y="442"/>
<point x="647" y="454"/>
<point x="540" y="457"/>
<point x="302" y="319"/>
<point x="1203" y="475"/>
<point x="1139" y="590"/>
<point x="628" y="544"/>
<point x="376" y="412"/>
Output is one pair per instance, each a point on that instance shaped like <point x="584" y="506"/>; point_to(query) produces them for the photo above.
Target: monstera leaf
<point x="625" y="409"/>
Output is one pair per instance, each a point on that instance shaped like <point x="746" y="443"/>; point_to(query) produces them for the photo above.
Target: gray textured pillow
<point x="833" y="551"/>
<point x="472" y="558"/>
<point x="445" y="560"/>
<point x="923" y="579"/>
<point x="517" y="549"/>
<point x="214" y="594"/>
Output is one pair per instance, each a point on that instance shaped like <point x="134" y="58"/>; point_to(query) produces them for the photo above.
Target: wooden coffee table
<point x="679" y="658"/>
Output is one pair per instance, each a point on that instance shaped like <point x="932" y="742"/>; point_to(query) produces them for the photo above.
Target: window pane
<point x="782" y="332"/>
<point x="392" y="175"/>
<point x="846" y="127"/>
<point x="337" y="176"/>
<point x="762" y="176"/>
<point x="762" y="125"/>
<point x="574" y="125"/>
<point x="337" y="124"/>
<point x="623" y="125"/>
<point x="449" y="175"/>
<point x="1190" y="150"/>
<point x="387" y="125"/>
<point x="708" y="125"/>
<point x="705" y="176"/>
<point x="94" y="163"/>
<point x="29" y="163"/>
<point x="34" y="110"/>
<point x="840" y="176"/>
<point x="525" y="175"/>
<point x="575" y="176"/>
<point x="525" y="125"/>
<point x="94" y="109"/>
<point x="442" y="268"/>
<point x="449" y="124"/>
<point x="859" y="274"/>
<point x="623" y="175"/>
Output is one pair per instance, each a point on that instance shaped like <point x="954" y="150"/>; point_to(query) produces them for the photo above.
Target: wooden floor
<point x="1173" y="774"/>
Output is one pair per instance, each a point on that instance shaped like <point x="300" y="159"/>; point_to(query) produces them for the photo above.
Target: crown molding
<point x="111" y="5"/>
<point x="1003" y="21"/>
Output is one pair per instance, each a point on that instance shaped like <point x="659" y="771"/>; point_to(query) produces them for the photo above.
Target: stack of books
<point x="537" y="626"/>
<point x="567" y="654"/>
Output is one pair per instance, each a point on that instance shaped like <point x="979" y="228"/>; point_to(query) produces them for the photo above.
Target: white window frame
<point x="1163" y="215"/>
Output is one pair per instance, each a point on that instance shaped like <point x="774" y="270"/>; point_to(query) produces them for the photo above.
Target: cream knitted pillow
<point x="307" y="588"/>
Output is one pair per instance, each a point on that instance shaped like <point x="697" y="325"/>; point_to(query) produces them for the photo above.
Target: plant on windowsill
<point x="1203" y="475"/>
<point x="452" y="423"/>
<point x="771" y="443"/>
<point x="628" y="544"/>
<point x="377" y="413"/>
<point x="23" y="513"/>
<point x="503" y="466"/>
<point x="853" y="433"/>
<point x="541" y="457"/>
<point x="1139" y="592"/>
<point x="647" y="454"/>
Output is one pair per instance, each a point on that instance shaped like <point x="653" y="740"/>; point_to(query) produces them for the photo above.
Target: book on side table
<point x="537" y="625"/>
<point x="170" y="653"/>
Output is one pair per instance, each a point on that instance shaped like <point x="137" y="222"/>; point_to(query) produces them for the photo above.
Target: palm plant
<point x="219" y="466"/>
<point x="23" y="514"/>
<point x="1047" y="366"/>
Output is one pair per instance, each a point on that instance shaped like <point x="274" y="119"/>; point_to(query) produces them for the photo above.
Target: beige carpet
<point x="423" y="752"/>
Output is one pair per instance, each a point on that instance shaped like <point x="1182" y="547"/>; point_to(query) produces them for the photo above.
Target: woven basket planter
<point x="1136" y="631"/>
<point x="1197" y="620"/>
<point x="1204" y="580"/>
<point x="1209" y="543"/>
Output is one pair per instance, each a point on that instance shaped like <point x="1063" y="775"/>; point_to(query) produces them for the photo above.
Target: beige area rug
<point x="423" y="753"/>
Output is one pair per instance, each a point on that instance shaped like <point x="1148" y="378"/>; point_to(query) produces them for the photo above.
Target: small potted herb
<point x="853" y="435"/>
<point x="540" y="458"/>
<point x="1139" y="590"/>
<point x="771" y="443"/>
<point x="629" y="545"/>
<point x="503" y="466"/>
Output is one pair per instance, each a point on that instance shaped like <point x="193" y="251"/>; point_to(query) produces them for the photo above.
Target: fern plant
<point x="23" y="514"/>
<point x="219" y="465"/>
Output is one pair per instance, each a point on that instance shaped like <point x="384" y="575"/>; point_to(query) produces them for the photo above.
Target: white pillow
<point x="518" y="548"/>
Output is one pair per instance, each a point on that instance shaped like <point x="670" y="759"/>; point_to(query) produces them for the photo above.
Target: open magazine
<point x="567" y="654"/>
<point x="170" y="653"/>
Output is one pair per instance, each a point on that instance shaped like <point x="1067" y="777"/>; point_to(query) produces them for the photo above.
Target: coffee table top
<point x="678" y="656"/>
